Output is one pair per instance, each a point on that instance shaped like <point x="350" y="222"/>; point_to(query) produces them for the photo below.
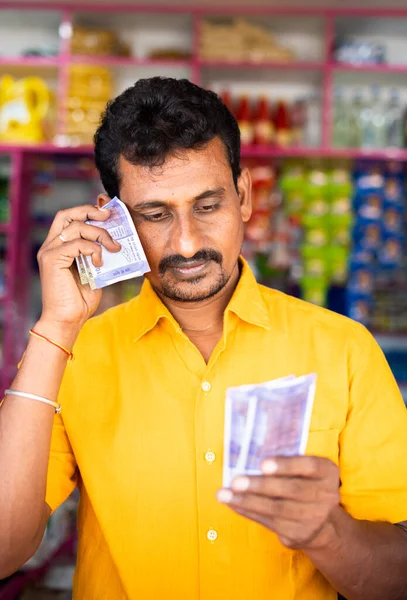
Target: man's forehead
<point x="211" y="158"/>
<point x="194" y="174"/>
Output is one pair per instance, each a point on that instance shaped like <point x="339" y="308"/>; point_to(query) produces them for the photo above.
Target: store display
<point x="240" y="40"/>
<point x="93" y="41"/>
<point x="378" y="276"/>
<point x="90" y="88"/>
<point x="300" y="231"/>
<point x="281" y="123"/>
<point x="26" y="110"/>
<point x="371" y="119"/>
<point x="359" y="52"/>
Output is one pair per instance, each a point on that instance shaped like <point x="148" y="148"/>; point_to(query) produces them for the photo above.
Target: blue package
<point x="368" y="236"/>
<point x="390" y="254"/>
<point x="361" y="280"/>
<point x="393" y="221"/>
<point x="359" y="308"/>
<point x="393" y="192"/>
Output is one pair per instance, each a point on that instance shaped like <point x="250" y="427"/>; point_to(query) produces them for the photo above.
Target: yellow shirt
<point x="141" y="433"/>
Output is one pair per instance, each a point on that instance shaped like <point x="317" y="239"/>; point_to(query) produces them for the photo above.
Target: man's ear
<point x="102" y="200"/>
<point x="244" y="186"/>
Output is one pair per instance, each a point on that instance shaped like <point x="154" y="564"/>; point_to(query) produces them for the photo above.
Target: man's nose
<point x="187" y="237"/>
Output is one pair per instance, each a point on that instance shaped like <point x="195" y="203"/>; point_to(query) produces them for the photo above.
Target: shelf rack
<point x="15" y="297"/>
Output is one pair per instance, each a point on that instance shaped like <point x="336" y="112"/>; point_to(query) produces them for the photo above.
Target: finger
<point x="272" y="508"/>
<point x="313" y="467"/>
<point x="65" y="254"/>
<point x="79" y="230"/>
<point x="298" y="488"/>
<point x="63" y="218"/>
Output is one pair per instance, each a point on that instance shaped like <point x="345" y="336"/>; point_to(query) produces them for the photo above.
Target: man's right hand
<point x="65" y="301"/>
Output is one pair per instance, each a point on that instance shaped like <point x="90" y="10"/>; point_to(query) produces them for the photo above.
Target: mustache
<point x="177" y="260"/>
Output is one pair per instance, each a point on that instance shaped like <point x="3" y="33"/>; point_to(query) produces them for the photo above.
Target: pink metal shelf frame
<point x="16" y="269"/>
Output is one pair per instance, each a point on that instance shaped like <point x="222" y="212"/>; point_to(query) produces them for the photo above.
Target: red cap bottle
<point x="263" y="125"/>
<point x="245" y="120"/>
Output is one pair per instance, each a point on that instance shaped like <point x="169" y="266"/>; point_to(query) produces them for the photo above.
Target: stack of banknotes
<point x="130" y="262"/>
<point x="266" y="420"/>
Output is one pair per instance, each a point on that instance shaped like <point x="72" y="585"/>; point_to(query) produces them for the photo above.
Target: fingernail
<point x="224" y="496"/>
<point x="117" y="243"/>
<point x="241" y="484"/>
<point x="269" y="467"/>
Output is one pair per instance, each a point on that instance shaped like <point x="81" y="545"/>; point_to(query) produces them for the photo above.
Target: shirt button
<point x="206" y="386"/>
<point x="210" y="456"/>
<point x="212" y="535"/>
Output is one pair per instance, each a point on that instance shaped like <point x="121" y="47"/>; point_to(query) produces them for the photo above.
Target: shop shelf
<point x="124" y="61"/>
<point x="368" y="68"/>
<point x="379" y="154"/>
<point x="29" y="61"/>
<point x="274" y="152"/>
<point x="47" y="148"/>
<point x="250" y="64"/>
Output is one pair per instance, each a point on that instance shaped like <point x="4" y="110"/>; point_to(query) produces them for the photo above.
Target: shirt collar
<point x="246" y="303"/>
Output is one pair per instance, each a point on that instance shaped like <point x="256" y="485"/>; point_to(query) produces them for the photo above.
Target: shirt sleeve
<point x="373" y="443"/>
<point x="62" y="472"/>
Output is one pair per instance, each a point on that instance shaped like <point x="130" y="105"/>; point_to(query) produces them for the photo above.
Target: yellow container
<point x="25" y="105"/>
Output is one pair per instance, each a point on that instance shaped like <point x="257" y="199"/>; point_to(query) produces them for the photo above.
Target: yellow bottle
<point x="24" y="107"/>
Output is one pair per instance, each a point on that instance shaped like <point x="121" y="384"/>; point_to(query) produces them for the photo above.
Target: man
<point x="141" y="426"/>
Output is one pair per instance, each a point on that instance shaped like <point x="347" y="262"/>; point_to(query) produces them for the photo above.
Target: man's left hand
<point x="295" y="498"/>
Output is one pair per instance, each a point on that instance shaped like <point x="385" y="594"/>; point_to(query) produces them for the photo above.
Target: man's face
<point x="190" y="220"/>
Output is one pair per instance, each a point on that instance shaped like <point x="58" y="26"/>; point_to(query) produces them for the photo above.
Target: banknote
<point x="130" y="262"/>
<point x="239" y="415"/>
<point x="281" y="422"/>
<point x="82" y="270"/>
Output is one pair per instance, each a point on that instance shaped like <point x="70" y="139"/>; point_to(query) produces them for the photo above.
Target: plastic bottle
<point x="394" y="121"/>
<point x="263" y="125"/>
<point x="282" y="125"/>
<point x="298" y="121"/>
<point x="374" y="121"/>
<point x="313" y="122"/>
<point x="245" y="120"/>
<point x="356" y="123"/>
<point x="379" y="118"/>
<point x="340" y="120"/>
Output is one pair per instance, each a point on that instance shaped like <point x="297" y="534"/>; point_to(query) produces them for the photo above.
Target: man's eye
<point x="208" y="208"/>
<point x="156" y="216"/>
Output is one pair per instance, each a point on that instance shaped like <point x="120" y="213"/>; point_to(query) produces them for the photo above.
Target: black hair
<point x="154" y="119"/>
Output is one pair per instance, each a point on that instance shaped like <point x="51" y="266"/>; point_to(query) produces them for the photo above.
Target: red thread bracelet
<point x="42" y="337"/>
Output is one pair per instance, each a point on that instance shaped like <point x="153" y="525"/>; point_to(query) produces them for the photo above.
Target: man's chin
<point x="195" y="289"/>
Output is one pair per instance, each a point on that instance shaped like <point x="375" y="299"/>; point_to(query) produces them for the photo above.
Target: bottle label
<point x="264" y="132"/>
<point x="246" y="132"/>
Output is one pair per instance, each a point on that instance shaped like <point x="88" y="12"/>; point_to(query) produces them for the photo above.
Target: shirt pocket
<point x="324" y="443"/>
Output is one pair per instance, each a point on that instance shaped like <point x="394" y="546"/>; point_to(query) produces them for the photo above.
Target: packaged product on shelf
<point x="390" y="254"/>
<point x="359" y="52"/>
<point x="258" y="229"/>
<point x="264" y="131"/>
<point x="360" y="308"/>
<point x="27" y="110"/>
<point x="90" y="89"/>
<point x="282" y="125"/>
<point x="244" y="119"/>
<point x="313" y="123"/>
<point x="240" y="40"/>
<point x="314" y="290"/>
<point x="298" y="122"/>
<point x="97" y="42"/>
<point x="378" y="263"/>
